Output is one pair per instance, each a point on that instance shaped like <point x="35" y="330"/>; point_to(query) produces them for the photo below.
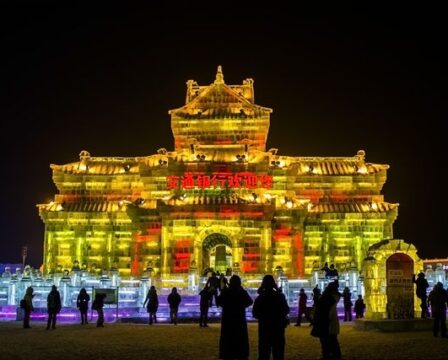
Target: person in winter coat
<point x="326" y="270"/>
<point x="234" y="339"/>
<point x="421" y="288"/>
<point x="359" y="307"/>
<point x="347" y="297"/>
<point x="271" y="310"/>
<point x="326" y="322"/>
<point x="333" y="272"/>
<point x="204" y="304"/>
<point x="82" y="303"/>
<point x="302" y="307"/>
<point x="174" y="300"/>
<point x="316" y="295"/>
<point x="438" y="299"/>
<point x="213" y="285"/>
<point x="53" y="307"/>
<point x="223" y="283"/>
<point x="98" y="305"/>
<point x="28" y="302"/>
<point x="152" y="301"/>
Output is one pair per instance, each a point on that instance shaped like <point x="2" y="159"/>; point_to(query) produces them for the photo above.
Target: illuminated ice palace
<point x="219" y="201"/>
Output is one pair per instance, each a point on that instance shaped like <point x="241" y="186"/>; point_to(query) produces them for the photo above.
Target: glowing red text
<point x="243" y="180"/>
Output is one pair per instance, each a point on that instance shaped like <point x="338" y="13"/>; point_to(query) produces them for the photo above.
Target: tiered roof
<point x="85" y="206"/>
<point x="99" y="165"/>
<point x="353" y="207"/>
<point x="219" y="101"/>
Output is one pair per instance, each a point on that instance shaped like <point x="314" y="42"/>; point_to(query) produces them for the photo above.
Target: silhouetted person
<point x="438" y="299"/>
<point x="301" y="306"/>
<point x="213" y="286"/>
<point x="28" y="307"/>
<point x="316" y="295"/>
<point x="152" y="304"/>
<point x="53" y="307"/>
<point x="98" y="305"/>
<point x="82" y="303"/>
<point x="326" y="322"/>
<point x="204" y="304"/>
<point x="326" y="269"/>
<point x="271" y="310"/>
<point x="421" y="286"/>
<point x="333" y="272"/>
<point x="359" y="307"/>
<point x="174" y="300"/>
<point x="234" y="339"/>
<point x="223" y="283"/>
<point x="347" y="298"/>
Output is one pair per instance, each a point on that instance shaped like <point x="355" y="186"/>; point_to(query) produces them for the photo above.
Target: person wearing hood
<point x="438" y="299"/>
<point x="28" y="307"/>
<point x="421" y="288"/>
<point x="98" y="305"/>
<point x="271" y="310"/>
<point x="152" y="304"/>
<point x="82" y="303"/>
<point x="326" y="322"/>
<point x="53" y="307"/>
<point x="234" y="338"/>
<point x="174" y="300"/>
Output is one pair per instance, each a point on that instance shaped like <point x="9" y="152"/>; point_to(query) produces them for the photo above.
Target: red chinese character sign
<point x="242" y="180"/>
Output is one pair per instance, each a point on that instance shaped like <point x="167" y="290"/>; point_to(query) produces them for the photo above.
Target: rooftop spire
<point x="219" y="76"/>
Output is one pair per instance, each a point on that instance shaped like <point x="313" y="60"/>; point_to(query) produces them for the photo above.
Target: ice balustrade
<point x="436" y="275"/>
<point x="132" y="292"/>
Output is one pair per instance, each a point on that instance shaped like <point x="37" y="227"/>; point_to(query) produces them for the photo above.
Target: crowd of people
<point x="270" y="308"/>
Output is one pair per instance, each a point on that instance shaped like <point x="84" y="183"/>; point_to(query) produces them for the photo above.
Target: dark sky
<point x="76" y="77"/>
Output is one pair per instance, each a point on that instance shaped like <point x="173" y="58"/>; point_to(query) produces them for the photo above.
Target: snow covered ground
<point x="189" y="341"/>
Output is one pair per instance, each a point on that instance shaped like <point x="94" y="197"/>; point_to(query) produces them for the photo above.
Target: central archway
<point x="217" y="252"/>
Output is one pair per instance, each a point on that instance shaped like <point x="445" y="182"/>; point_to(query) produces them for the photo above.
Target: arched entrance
<point x="217" y="252"/>
<point x="400" y="288"/>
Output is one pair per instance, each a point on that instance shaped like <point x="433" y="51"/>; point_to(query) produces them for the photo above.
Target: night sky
<point x="103" y="79"/>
